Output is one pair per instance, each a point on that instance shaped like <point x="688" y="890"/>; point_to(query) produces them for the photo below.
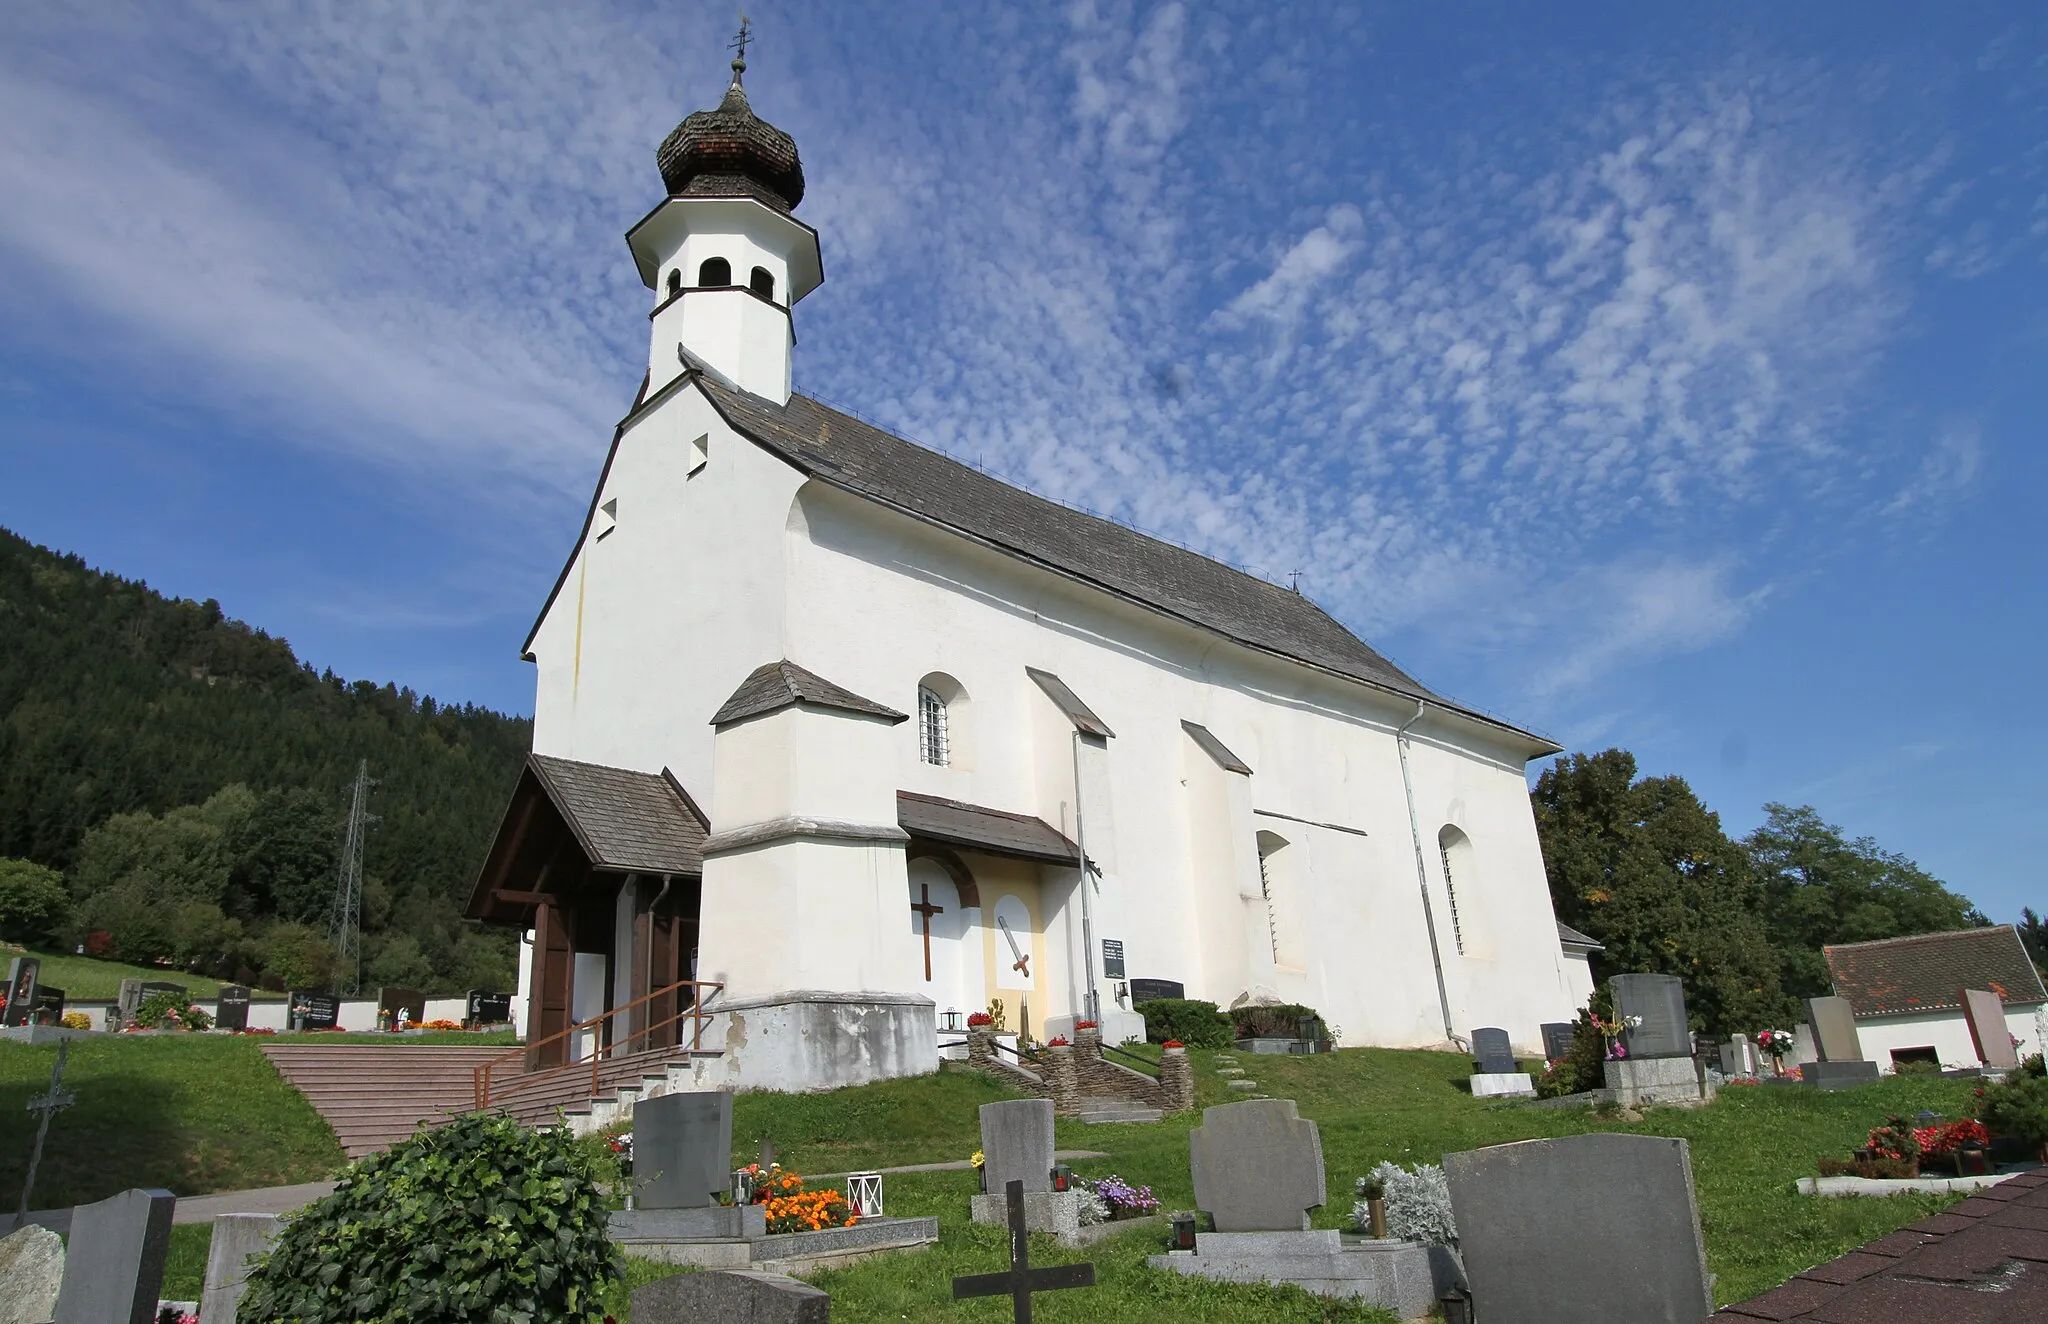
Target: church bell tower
<point x="725" y="258"/>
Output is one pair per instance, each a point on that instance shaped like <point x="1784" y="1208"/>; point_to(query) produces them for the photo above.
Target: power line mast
<point x="345" y="930"/>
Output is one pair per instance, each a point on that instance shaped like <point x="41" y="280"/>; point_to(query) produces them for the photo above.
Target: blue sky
<point x="1655" y="378"/>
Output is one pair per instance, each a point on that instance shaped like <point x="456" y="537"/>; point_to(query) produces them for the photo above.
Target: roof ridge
<point x="1916" y="937"/>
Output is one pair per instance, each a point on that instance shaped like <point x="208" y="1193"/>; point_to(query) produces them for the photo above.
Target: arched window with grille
<point x="715" y="272"/>
<point x="1455" y="849"/>
<point x="933" y="746"/>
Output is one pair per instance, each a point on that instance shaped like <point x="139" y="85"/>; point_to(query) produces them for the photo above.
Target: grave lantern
<point x="1457" y="1307"/>
<point x="1062" y="1177"/>
<point x="864" y="1194"/>
<point x="949" y="1021"/>
<point x="1183" y="1226"/>
<point x="742" y="1186"/>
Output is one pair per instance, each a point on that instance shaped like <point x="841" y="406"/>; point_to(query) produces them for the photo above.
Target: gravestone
<point x="31" y="1267"/>
<point x="1152" y="990"/>
<point x="129" y="999"/>
<point x="682" y="1149"/>
<point x="1016" y="1144"/>
<point x="152" y="987"/>
<point x="1493" y="1051"/>
<point x="236" y="1237"/>
<point x="232" y="1011"/>
<point x="1660" y="1001"/>
<point x="1557" y="1039"/>
<point x="312" y="1010"/>
<point x="1834" y="1029"/>
<point x="1985" y="1012"/>
<point x="1257" y="1166"/>
<point x="410" y="1001"/>
<point x="1738" y="1057"/>
<point x="49" y="1005"/>
<point x="1592" y="1227"/>
<point x="731" y="1296"/>
<point x="488" y="1008"/>
<point x="21" y="990"/>
<point x="114" y="1265"/>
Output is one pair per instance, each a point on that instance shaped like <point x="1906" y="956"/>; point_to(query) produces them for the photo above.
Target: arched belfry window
<point x="762" y="282"/>
<point x="675" y="282"/>
<point x="1455" y="849"/>
<point x="932" y="743"/>
<point x="715" y="272"/>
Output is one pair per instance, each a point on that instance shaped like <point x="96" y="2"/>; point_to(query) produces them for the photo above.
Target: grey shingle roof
<point x="1080" y="714"/>
<point x="774" y="685"/>
<point x="1929" y="972"/>
<point x="636" y="822"/>
<point x="1571" y="937"/>
<point x="861" y="458"/>
<point x="995" y="830"/>
<point x="1215" y="748"/>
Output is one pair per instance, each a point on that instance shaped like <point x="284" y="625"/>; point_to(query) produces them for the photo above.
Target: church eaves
<point x="777" y="685"/>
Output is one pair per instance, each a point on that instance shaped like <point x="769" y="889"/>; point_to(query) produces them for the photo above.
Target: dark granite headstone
<point x="488" y="1008"/>
<point x="49" y="1005"/>
<point x="730" y="1296"/>
<point x="1257" y="1166"/>
<point x="232" y="1011"/>
<point x="310" y="1010"/>
<point x="409" y="1001"/>
<point x="21" y="990"/>
<point x="682" y="1149"/>
<point x="1660" y="1001"/>
<point x="1151" y="990"/>
<point x="1557" y="1039"/>
<point x="1539" y="1220"/>
<point x="114" y="1264"/>
<point x="1493" y="1052"/>
<point x="152" y="987"/>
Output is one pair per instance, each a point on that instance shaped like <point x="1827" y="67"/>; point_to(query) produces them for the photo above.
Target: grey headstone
<point x="1738" y="1056"/>
<point x="1660" y="1001"/>
<point x="730" y="1296"/>
<point x="235" y="1238"/>
<point x="1257" y="1165"/>
<point x="682" y="1149"/>
<point x="114" y="1265"/>
<point x="31" y="1267"/>
<point x="130" y="999"/>
<point x="1985" y="1012"/>
<point x="1494" y="1051"/>
<point x="232" y="1010"/>
<point x="1016" y="1144"/>
<point x="1540" y="1221"/>
<point x="1834" y="1029"/>
<point x="1557" y="1039"/>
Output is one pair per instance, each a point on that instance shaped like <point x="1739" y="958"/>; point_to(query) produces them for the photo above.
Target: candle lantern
<point x="1457" y="1307"/>
<point x="1183" y="1226"/>
<point x="864" y="1194"/>
<point x="1062" y="1177"/>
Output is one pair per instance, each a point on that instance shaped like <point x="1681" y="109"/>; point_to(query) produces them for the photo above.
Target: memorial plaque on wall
<point x="1149" y="990"/>
<point x="1112" y="958"/>
<point x="1660" y="1001"/>
<point x="489" y="1008"/>
<point x="232" y="1012"/>
<point x="21" y="989"/>
<point x="314" y="1011"/>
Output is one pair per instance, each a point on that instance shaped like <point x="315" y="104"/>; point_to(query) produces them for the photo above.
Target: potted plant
<point x="1774" y="1044"/>
<point x="1895" y="1140"/>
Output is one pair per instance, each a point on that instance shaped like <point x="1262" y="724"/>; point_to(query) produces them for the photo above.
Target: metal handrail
<point x="481" y="1074"/>
<point x="1036" y="1059"/>
<point x="1146" y="1066"/>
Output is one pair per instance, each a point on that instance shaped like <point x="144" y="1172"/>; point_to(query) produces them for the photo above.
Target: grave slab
<point x="1540" y="1221"/>
<point x="1637" y="1081"/>
<point x="114" y="1264"/>
<point x="1016" y="1144"/>
<point x="1838" y="1075"/>
<point x="1055" y="1213"/>
<point x="1405" y="1277"/>
<point x="731" y="1296"/>
<point x="1257" y="1166"/>
<point x="1660" y="1001"/>
<point x="711" y="1223"/>
<point x="236" y="1237"/>
<point x="1985" y="1012"/>
<point x="682" y="1149"/>
<point x="1493" y="1052"/>
<point x="1503" y="1085"/>
<point x="31" y="1269"/>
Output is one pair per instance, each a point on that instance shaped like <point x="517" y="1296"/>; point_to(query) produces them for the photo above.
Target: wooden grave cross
<point x="1022" y="1280"/>
<point x="55" y="1100"/>
<point x="927" y="910"/>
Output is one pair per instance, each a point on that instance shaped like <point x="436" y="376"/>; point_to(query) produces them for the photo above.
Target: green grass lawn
<point x="1371" y="1104"/>
<point x="86" y="978"/>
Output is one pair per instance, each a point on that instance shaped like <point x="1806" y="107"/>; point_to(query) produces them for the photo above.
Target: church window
<point x="1455" y="849"/>
<point x="762" y="282"/>
<point x="675" y="282"/>
<point x="715" y="272"/>
<point x="931" y="726"/>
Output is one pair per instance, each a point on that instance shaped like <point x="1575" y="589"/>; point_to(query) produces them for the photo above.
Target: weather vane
<point x="739" y="43"/>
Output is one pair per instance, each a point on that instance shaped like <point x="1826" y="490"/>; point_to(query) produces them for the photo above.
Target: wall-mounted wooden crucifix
<point x="926" y="909"/>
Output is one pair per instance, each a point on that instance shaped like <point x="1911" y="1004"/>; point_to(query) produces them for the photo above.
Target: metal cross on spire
<point x="740" y="44"/>
<point x="55" y="1100"/>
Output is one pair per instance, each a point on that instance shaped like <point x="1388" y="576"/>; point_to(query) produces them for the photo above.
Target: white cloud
<point x="1949" y="470"/>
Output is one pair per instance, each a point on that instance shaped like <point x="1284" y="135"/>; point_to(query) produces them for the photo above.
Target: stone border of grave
<point x="1879" y="1186"/>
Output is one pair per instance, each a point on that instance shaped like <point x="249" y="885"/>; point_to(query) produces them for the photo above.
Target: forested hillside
<point x="189" y="776"/>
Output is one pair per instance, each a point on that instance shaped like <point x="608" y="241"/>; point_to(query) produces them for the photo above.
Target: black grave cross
<point x="927" y="910"/>
<point x="1021" y="1280"/>
<point x="55" y="1100"/>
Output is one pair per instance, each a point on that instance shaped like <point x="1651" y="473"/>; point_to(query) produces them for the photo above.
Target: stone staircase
<point x="375" y="1095"/>
<point x="1086" y="1086"/>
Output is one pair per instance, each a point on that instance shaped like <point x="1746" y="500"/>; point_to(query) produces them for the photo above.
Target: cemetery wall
<point x="269" y="1013"/>
<point x="1946" y="1032"/>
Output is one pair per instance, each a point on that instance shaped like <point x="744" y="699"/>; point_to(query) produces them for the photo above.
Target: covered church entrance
<point x="605" y="866"/>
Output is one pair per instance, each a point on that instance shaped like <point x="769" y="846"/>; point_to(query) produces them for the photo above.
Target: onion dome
<point x="731" y="152"/>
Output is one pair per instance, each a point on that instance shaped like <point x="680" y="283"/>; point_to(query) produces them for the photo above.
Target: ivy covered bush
<point x="1278" y="1020"/>
<point x="1195" y="1023"/>
<point x="169" y="1011"/>
<point x="481" y="1221"/>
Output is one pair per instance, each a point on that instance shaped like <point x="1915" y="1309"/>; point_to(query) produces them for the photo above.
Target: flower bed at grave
<point x="791" y="1206"/>
<point x="166" y="1011"/>
<point x="1120" y="1199"/>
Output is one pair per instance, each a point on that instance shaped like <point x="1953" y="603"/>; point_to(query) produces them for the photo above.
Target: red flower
<point x="1173" y="1043"/>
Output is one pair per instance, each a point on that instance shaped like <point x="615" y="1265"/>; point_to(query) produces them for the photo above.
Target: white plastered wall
<point x="1948" y="1033"/>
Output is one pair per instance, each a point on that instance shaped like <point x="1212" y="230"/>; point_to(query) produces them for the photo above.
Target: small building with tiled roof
<point x="955" y="742"/>
<point x="1908" y="993"/>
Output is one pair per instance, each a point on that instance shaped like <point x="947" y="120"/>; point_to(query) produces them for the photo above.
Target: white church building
<point x="863" y="739"/>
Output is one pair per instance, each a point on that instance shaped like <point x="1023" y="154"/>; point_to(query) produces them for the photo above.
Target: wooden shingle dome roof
<point x="731" y="152"/>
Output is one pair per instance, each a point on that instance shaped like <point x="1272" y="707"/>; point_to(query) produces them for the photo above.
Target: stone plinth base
<point x="718" y="1222"/>
<point x="1636" y="1081"/>
<point x="1057" y="1213"/>
<point x="788" y="1252"/>
<point x="1838" y="1075"/>
<point x="1502" y="1085"/>
<point x="1405" y="1277"/>
<point x="1264" y="1045"/>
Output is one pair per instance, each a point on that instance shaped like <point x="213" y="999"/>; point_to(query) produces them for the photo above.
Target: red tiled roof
<point x="1985" y="1261"/>
<point x="1929" y="972"/>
